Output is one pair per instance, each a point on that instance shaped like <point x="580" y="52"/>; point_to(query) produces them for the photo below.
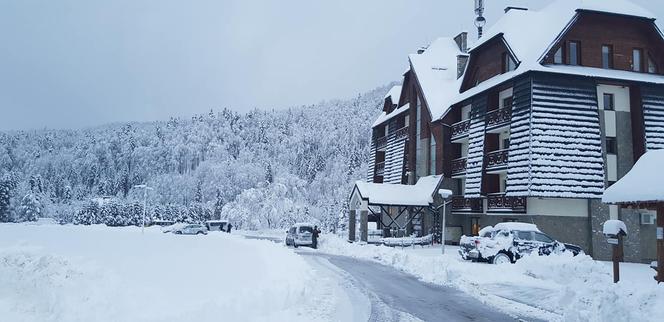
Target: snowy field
<point x="96" y="273"/>
<point x="554" y="288"/>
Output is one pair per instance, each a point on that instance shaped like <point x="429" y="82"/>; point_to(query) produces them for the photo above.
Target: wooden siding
<point x="486" y="62"/>
<point x="394" y="154"/>
<point x="566" y="145"/>
<point x="372" y="161"/>
<point x="593" y="30"/>
<point x="518" y="173"/>
<point x="475" y="165"/>
<point x="653" y="115"/>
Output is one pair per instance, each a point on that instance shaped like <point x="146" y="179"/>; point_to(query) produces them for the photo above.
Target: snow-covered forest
<point x="262" y="169"/>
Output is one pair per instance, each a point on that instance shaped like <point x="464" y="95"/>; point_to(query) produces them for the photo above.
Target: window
<point x="507" y="102"/>
<point x="558" y="56"/>
<point x="524" y="235"/>
<point x="306" y="229"/>
<point x="543" y="238"/>
<point x="506" y="143"/>
<point x="652" y="66"/>
<point x="609" y="102"/>
<point x="573" y="50"/>
<point x="508" y="63"/>
<point x="607" y="56"/>
<point x="611" y="146"/>
<point x="637" y="60"/>
<point x="432" y="154"/>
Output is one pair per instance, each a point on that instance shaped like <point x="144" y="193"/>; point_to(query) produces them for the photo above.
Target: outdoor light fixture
<point x="480" y="21"/>
<point x="444" y="193"/>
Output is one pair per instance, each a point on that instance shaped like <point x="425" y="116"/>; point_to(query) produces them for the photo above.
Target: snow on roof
<point x="519" y="226"/>
<point x="394" y="93"/>
<point x="383" y="117"/>
<point x="613" y="227"/>
<point x="420" y="194"/>
<point x="641" y="184"/>
<point x="529" y="45"/>
<point x="436" y="71"/>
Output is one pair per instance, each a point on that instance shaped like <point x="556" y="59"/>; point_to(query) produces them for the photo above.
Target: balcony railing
<point x="402" y="132"/>
<point x="380" y="168"/>
<point x="459" y="166"/>
<point x="498" y="117"/>
<point x="496" y="159"/>
<point x="460" y="203"/>
<point x="500" y="203"/>
<point x="460" y="129"/>
<point x="381" y="142"/>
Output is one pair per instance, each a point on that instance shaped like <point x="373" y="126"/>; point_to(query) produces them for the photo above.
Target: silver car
<point x="192" y="229"/>
<point x="300" y="235"/>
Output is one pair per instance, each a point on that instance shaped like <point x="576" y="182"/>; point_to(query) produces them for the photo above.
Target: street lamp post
<point x="444" y="193"/>
<point x="145" y="203"/>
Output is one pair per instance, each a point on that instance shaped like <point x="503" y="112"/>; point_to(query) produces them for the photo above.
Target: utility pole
<point x="145" y="203"/>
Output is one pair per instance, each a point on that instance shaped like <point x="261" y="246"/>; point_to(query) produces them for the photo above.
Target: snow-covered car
<point x="513" y="240"/>
<point x="191" y="229"/>
<point x="300" y="235"/>
<point x="468" y="243"/>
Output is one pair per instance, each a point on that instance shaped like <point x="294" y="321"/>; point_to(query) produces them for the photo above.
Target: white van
<point x="300" y="235"/>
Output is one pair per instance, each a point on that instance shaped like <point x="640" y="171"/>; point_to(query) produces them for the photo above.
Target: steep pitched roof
<point x="394" y="93"/>
<point x="436" y="73"/>
<point x="530" y="34"/>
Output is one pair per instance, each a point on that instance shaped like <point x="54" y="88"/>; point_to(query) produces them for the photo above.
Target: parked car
<point x="300" y="235"/>
<point x="191" y="229"/>
<point x="216" y="225"/>
<point x="508" y="242"/>
<point x="468" y="243"/>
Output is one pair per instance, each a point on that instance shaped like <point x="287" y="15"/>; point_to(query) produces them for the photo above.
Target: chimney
<point x="462" y="60"/>
<point x="462" y="41"/>
<point x="515" y="8"/>
<point x="421" y="50"/>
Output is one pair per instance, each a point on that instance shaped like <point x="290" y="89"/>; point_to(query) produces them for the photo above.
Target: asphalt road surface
<point x="393" y="293"/>
<point x="396" y="296"/>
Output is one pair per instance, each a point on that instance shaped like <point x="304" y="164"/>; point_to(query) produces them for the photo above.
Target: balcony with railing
<point x="471" y="205"/>
<point x="380" y="142"/>
<point x="496" y="160"/>
<point x="499" y="202"/>
<point x="380" y="168"/>
<point x="498" y="118"/>
<point x="460" y="130"/>
<point x="459" y="166"/>
<point x="401" y="133"/>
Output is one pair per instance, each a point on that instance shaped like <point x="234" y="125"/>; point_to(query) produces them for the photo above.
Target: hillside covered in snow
<point x="262" y="169"/>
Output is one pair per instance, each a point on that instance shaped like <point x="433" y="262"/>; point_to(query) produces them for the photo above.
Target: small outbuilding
<point x="393" y="207"/>
<point x="643" y="188"/>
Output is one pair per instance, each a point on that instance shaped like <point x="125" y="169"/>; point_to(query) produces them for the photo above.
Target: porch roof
<point x="642" y="184"/>
<point x="420" y="194"/>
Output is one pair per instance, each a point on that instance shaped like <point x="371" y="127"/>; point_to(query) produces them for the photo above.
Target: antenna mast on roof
<point x="479" y="21"/>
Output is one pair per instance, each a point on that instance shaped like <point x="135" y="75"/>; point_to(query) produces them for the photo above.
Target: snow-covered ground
<point x="97" y="273"/>
<point x="554" y="288"/>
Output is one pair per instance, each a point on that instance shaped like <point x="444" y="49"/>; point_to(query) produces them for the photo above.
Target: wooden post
<point x="617" y="257"/>
<point x="351" y="225"/>
<point x="660" y="242"/>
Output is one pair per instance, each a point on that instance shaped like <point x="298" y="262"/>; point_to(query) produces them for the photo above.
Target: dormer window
<point x="508" y="63"/>
<point x="607" y="56"/>
<point x="652" y="66"/>
<point x="637" y="59"/>
<point x="558" y="56"/>
<point x="574" y="53"/>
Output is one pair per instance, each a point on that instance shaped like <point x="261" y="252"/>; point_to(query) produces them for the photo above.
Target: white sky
<point x="81" y="63"/>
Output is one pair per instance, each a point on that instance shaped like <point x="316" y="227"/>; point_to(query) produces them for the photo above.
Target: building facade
<point x="532" y="124"/>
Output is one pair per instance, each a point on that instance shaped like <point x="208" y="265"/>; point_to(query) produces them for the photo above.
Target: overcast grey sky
<point x="72" y="64"/>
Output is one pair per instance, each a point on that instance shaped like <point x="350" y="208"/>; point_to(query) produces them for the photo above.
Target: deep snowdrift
<point x="558" y="287"/>
<point x="74" y="273"/>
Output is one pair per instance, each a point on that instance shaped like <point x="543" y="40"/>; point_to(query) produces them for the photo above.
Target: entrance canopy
<point x="386" y="194"/>
<point x="644" y="184"/>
